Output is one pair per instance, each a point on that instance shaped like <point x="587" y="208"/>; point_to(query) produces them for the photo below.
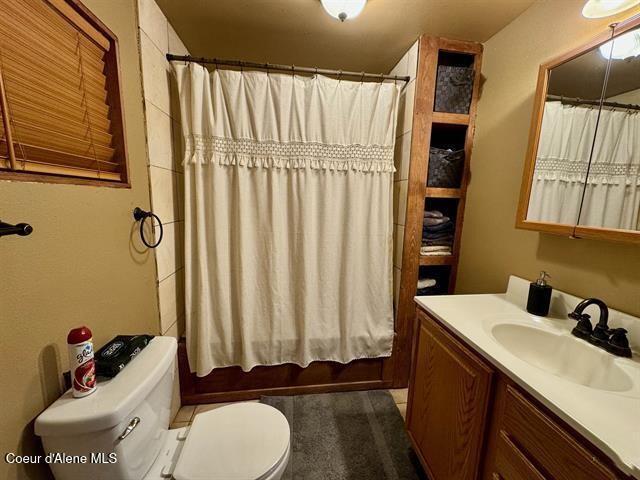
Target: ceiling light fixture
<point x="622" y="47"/>
<point x="344" y="9"/>
<point x="606" y="8"/>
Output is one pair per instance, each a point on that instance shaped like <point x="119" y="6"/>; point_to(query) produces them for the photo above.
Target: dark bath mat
<point x="347" y="436"/>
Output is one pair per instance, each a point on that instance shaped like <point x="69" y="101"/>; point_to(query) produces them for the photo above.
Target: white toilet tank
<point x="89" y="427"/>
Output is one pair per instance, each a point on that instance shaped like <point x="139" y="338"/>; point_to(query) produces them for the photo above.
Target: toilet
<point x="121" y="431"/>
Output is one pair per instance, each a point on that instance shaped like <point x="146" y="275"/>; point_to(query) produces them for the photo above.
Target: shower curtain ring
<point x="339" y="75"/>
<point x="361" y="77"/>
<point x="293" y="71"/>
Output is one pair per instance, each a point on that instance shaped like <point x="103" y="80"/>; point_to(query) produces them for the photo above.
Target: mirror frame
<point x="572" y="231"/>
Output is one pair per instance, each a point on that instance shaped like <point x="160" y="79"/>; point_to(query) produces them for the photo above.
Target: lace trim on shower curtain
<point x="290" y="155"/>
<point x="575" y="171"/>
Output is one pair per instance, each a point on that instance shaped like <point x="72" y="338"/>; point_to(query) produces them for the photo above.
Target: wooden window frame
<point x="80" y="16"/>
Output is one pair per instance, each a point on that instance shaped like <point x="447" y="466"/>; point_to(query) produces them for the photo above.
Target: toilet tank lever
<point x="132" y="425"/>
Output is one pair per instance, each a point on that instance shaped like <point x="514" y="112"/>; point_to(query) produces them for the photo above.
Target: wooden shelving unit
<point x="433" y="192"/>
<point x="450" y="118"/>
<point x="428" y="125"/>
<point x="437" y="260"/>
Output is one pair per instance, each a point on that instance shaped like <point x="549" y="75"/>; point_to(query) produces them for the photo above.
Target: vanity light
<point x="606" y="8"/>
<point x="344" y="9"/>
<point x="624" y="46"/>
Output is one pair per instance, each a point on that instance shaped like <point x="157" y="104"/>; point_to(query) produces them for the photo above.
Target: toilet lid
<point x="239" y="441"/>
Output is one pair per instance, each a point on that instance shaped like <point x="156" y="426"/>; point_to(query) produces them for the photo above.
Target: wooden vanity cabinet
<point x="449" y="393"/>
<point x="467" y="420"/>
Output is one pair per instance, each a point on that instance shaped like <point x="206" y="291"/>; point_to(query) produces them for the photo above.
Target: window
<point x="59" y="95"/>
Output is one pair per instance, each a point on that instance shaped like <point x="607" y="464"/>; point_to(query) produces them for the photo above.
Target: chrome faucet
<point x="612" y="340"/>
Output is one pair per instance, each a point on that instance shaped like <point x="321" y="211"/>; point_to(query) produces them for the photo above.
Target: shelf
<point x="450" y="118"/>
<point x="437" y="259"/>
<point x="434" y="192"/>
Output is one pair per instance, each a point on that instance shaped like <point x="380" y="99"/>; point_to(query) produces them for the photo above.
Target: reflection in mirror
<point x="612" y="195"/>
<point x="568" y="127"/>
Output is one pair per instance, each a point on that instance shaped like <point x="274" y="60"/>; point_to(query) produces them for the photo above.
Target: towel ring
<point x="141" y="215"/>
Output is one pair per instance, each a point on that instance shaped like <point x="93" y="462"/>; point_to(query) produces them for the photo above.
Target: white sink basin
<point x="564" y="356"/>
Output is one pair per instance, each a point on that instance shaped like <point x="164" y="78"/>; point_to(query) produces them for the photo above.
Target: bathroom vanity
<point x="497" y="393"/>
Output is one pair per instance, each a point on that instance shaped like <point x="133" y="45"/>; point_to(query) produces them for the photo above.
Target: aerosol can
<point x="81" y="362"/>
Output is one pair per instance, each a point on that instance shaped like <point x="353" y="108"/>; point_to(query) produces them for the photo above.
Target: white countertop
<point x="609" y="419"/>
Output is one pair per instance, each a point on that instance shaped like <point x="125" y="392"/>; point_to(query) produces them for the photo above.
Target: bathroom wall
<point x="407" y="66"/>
<point x="492" y="248"/>
<point x="164" y="156"/>
<point x="83" y="264"/>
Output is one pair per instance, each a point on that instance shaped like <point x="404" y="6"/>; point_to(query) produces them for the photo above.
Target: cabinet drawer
<point x="554" y="451"/>
<point x="511" y="463"/>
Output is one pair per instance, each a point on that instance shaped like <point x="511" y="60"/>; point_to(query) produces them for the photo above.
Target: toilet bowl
<point x="122" y="431"/>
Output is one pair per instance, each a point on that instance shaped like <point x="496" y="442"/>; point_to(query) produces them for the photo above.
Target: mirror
<point x="582" y="172"/>
<point x="569" y="120"/>
<point x="612" y="191"/>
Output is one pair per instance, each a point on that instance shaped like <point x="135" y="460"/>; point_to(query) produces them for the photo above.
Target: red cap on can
<point x="79" y="335"/>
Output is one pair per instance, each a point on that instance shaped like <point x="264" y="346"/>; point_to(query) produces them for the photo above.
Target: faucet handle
<point x="618" y="343"/>
<point x="583" y="329"/>
<point x="579" y="316"/>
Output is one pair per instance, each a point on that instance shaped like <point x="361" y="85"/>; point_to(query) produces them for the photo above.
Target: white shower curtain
<point x="562" y="161"/>
<point x="288" y="211"/>
<point x="612" y="196"/>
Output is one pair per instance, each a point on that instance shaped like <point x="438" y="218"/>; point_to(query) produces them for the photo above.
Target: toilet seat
<point x="244" y="441"/>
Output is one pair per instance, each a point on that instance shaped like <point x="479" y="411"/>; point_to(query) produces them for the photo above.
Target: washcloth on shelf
<point x="427" y="286"/>
<point x="426" y="283"/>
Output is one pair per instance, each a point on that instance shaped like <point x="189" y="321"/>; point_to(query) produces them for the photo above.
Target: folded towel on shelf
<point x="429" y="221"/>
<point x="435" y="248"/>
<point x="426" y="236"/>
<point x="446" y="226"/>
<point x="426" y="283"/>
<point x="447" y="242"/>
<point x="440" y="253"/>
<point x="433" y="214"/>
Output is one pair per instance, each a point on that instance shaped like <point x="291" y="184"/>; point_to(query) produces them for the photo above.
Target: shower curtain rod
<point x="580" y="101"/>
<point x="286" y="68"/>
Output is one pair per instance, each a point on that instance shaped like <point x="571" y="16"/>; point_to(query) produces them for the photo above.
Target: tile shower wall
<point x="407" y="66"/>
<point x="164" y="157"/>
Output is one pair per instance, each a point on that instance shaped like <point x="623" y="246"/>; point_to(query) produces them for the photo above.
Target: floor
<point x="185" y="415"/>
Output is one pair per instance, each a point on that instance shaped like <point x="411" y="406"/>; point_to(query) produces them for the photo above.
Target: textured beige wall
<point x="79" y="266"/>
<point x="492" y="248"/>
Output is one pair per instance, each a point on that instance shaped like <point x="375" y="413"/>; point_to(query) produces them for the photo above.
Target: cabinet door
<point x="448" y="406"/>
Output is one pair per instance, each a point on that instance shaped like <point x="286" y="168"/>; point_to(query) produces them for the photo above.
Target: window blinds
<point x="54" y="67"/>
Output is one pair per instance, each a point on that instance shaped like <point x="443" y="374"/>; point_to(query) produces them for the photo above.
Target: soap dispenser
<point x="539" y="296"/>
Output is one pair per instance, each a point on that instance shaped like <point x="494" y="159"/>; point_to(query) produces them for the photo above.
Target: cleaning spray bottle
<point x="81" y="362"/>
